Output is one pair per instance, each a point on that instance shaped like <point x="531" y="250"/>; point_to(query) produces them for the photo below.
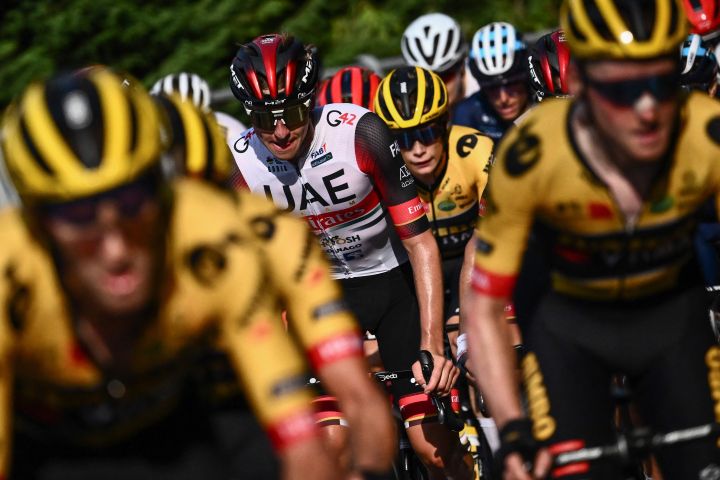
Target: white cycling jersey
<point x="351" y="186"/>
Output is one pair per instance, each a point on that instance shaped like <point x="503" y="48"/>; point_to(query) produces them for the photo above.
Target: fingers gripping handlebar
<point x="446" y="415"/>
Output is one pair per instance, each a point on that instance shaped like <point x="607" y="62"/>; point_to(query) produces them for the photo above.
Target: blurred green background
<point x="153" y="38"/>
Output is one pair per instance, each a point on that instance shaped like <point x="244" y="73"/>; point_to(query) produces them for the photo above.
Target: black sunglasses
<point x="293" y="116"/>
<point x="128" y="199"/>
<point x="427" y="135"/>
<point x="627" y="92"/>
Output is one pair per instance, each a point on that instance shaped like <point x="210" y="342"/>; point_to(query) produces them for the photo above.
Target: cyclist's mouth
<point x="121" y="284"/>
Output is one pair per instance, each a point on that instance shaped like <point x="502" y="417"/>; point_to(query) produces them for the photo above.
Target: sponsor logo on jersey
<point x="395" y="149"/>
<point x="712" y="360"/>
<point x="241" y="144"/>
<point x="287" y="386"/>
<point x="320" y="151"/>
<point x="447" y="205"/>
<point x="523" y="153"/>
<point x="336" y="117"/>
<point x="406" y="178"/>
<point x="321" y="160"/>
<point x="275" y="166"/>
<point x="337" y="240"/>
<point x="662" y="205"/>
<point x="599" y="211"/>
<point x="483" y="246"/>
<point x="351" y="256"/>
<point x="333" y="219"/>
<point x="413" y="209"/>
<point x="539" y="403"/>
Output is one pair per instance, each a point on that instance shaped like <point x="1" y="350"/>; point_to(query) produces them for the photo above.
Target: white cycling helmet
<point x="188" y="85"/>
<point x="498" y="55"/>
<point x="434" y="42"/>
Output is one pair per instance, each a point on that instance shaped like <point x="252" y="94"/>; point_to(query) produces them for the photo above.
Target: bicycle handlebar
<point x="638" y="442"/>
<point x="446" y="415"/>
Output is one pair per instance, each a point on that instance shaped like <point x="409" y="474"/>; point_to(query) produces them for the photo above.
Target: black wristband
<point x="516" y="437"/>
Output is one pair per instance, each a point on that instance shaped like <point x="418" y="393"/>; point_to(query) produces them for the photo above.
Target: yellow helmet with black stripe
<point x="78" y="135"/>
<point x="197" y="142"/>
<point x="623" y="29"/>
<point x="409" y="97"/>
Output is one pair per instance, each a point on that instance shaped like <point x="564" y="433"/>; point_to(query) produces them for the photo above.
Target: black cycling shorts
<point x="386" y="305"/>
<point x="663" y="345"/>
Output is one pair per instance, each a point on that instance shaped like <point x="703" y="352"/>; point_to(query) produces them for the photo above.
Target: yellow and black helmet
<point x="78" y="135"/>
<point x="409" y="97"/>
<point x="623" y="29"/>
<point x="197" y="142"/>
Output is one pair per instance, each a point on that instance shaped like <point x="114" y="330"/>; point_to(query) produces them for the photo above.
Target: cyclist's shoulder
<point x="538" y="143"/>
<point x="466" y="141"/>
<point x="339" y="115"/>
<point x="701" y="115"/>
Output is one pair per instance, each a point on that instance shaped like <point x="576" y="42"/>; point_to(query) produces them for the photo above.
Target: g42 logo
<point x="336" y="117"/>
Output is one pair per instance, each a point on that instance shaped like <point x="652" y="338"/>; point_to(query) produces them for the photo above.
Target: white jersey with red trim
<point x="351" y="186"/>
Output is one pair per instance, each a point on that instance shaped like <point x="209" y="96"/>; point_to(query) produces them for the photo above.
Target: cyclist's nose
<point x="281" y="130"/>
<point x="646" y="107"/>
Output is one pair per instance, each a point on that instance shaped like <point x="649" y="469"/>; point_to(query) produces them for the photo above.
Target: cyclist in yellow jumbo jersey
<point x="198" y="149"/>
<point x="615" y="178"/>
<point x="116" y="282"/>
<point x="449" y="164"/>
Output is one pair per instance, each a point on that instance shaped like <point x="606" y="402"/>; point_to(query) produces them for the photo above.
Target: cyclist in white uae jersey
<point x="345" y="211"/>
<point x="340" y="168"/>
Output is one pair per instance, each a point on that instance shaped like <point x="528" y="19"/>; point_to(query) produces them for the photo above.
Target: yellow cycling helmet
<point x="623" y="29"/>
<point x="197" y="142"/>
<point x="78" y="135"/>
<point x="410" y="96"/>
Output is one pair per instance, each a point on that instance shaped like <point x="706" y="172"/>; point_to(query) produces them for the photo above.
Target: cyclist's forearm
<point x="491" y="352"/>
<point x="466" y="279"/>
<point x="425" y="260"/>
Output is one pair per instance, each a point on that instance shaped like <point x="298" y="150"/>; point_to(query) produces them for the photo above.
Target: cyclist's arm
<point x="326" y="329"/>
<point x="510" y="201"/>
<point x="378" y="156"/>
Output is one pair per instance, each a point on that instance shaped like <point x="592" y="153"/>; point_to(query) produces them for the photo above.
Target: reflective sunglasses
<point x="293" y="116"/>
<point x="626" y="93"/>
<point x="129" y="200"/>
<point x="427" y="135"/>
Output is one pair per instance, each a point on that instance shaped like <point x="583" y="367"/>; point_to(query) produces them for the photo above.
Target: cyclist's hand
<point x="443" y="376"/>
<point x="515" y="467"/>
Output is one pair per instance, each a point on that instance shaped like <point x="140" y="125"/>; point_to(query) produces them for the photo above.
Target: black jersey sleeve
<point x="378" y="155"/>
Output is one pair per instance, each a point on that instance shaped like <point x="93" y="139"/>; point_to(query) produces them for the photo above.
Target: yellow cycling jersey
<point x="218" y="289"/>
<point x="540" y="175"/>
<point x="452" y="203"/>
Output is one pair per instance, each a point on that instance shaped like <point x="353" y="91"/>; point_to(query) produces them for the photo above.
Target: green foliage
<point x="153" y="38"/>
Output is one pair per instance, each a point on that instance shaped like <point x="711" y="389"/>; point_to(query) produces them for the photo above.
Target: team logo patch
<point x="523" y="153"/>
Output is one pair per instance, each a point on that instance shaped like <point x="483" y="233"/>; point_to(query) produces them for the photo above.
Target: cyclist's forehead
<point x="618" y="70"/>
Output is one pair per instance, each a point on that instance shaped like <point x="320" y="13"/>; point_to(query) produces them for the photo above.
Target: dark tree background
<point x="153" y="38"/>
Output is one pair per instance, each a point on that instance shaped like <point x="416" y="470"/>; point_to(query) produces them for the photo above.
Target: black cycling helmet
<point x="273" y="71"/>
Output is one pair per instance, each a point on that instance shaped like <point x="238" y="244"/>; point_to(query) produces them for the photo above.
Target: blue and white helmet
<point x="498" y="55"/>
<point x="698" y="65"/>
<point x="189" y="86"/>
<point x="433" y="42"/>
